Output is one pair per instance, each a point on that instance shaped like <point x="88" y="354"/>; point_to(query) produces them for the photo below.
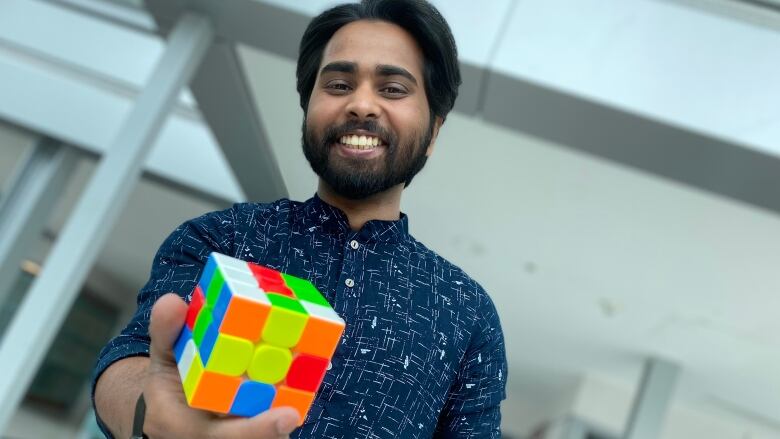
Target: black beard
<point x="357" y="180"/>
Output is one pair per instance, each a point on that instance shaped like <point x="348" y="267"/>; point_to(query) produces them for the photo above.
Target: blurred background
<point x="610" y="175"/>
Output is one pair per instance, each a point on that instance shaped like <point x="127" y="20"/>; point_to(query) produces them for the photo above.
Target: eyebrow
<point x="339" y="67"/>
<point x="381" y="70"/>
<point x="389" y="70"/>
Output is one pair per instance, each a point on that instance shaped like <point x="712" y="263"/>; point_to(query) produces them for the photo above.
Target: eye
<point x="393" y="90"/>
<point x="338" y="87"/>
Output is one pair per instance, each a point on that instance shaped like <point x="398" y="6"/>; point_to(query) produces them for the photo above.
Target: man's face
<point x="368" y="125"/>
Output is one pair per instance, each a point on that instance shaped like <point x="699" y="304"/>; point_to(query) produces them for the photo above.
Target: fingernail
<point x="286" y="424"/>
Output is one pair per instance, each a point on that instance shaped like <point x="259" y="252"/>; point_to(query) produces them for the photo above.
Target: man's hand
<point x="167" y="414"/>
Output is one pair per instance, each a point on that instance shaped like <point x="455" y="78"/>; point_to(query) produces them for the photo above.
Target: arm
<point x="140" y="358"/>
<point x="116" y="393"/>
<point x="122" y="364"/>
<point x="472" y="409"/>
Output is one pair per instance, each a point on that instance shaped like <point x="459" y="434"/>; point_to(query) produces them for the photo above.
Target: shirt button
<point x="354" y="244"/>
<point x="350" y="283"/>
<point x="330" y="365"/>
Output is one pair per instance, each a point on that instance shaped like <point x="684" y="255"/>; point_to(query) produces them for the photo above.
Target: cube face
<point x="269" y="364"/>
<point x="253" y="398"/>
<point x="215" y="392"/>
<point x="253" y="339"/>
<point x="297" y="399"/>
<point x="306" y="372"/>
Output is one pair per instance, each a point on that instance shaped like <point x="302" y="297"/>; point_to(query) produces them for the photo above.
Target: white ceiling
<point x="676" y="64"/>
<point x="475" y="29"/>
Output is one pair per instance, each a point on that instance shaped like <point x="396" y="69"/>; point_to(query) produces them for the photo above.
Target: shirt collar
<point x="317" y="213"/>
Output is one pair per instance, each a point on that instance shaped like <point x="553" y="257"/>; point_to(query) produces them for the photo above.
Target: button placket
<point x="347" y="276"/>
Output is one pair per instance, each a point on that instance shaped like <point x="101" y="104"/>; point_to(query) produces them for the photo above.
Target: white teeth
<point x="360" y="142"/>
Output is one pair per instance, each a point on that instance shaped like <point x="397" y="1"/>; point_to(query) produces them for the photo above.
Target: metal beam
<point x="652" y="399"/>
<point x="37" y="184"/>
<point x="575" y="429"/>
<point x="277" y="30"/>
<point x="46" y="304"/>
<point x="36" y="99"/>
<point x="566" y="427"/>
<point x="225" y="98"/>
<point x="226" y="104"/>
<point x="64" y="88"/>
<point x="695" y="159"/>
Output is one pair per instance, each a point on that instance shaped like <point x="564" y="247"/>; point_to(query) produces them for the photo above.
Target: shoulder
<point x="218" y="229"/>
<point x="249" y="213"/>
<point x="242" y="215"/>
<point x="477" y="321"/>
<point x="452" y="281"/>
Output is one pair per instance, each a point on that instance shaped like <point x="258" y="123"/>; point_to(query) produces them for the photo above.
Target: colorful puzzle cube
<point x="253" y="339"/>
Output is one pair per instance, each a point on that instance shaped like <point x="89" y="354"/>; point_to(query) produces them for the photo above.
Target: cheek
<point x="321" y="108"/>
<point x="413" y="119"/>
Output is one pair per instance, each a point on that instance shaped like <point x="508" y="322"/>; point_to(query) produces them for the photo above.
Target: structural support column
<point x="652" y="401"/>
<point x="575" y="429"/>
<point x="36" y="185"/>
<point x="566" y="427"/>
<point x="46" y="304"/>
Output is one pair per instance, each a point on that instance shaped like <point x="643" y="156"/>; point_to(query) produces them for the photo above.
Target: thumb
<point x="167" y="319"/>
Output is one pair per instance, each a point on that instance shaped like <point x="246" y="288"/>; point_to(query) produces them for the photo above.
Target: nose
<point x="363" y="104"/>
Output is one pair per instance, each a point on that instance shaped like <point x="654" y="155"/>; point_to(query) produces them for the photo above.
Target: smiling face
<point x="368" y="126"/>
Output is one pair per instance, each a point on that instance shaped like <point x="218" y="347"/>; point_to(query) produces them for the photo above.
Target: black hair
<point x="418" y="17"/>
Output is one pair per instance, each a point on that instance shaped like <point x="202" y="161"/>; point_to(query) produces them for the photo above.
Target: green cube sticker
<point x="202" y="324"/>
<point x="304" y="290"/>
<point x="277" y="300"/>
<point x="217" y="281"/>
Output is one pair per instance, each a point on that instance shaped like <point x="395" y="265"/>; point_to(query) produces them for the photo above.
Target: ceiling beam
<point x="225" y="101"/>
<point x="226" y="104"/>
<point x="695" y="159"/>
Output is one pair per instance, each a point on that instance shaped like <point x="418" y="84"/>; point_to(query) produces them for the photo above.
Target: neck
<point x="382" y="206"/>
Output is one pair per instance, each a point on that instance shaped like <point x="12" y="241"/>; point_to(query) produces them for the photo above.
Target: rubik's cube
<point x="254" y="339"/>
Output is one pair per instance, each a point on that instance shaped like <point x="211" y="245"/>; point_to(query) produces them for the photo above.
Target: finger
<point x="267" y="425"/>
<point x="167" y="319"/>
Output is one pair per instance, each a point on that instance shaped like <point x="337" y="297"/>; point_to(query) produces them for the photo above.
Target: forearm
<point x="117" y="391"/>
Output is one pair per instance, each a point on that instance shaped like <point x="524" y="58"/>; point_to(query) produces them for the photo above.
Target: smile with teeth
<point x="360" y="142"/>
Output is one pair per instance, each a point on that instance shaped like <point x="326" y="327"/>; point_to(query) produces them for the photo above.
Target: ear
<point x="436" y="125"/>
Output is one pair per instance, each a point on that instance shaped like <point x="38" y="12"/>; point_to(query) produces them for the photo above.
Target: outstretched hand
<point x="168" y="416"/>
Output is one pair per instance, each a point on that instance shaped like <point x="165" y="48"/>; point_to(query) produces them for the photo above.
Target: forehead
<point x="369" y="43"/>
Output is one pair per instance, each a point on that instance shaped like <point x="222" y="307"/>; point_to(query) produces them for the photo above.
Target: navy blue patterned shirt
<point x="422" y="354"/>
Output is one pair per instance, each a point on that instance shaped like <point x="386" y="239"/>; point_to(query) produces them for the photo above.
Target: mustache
<point x="334" y="133"/>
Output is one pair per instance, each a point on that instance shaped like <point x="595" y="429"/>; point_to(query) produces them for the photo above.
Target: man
<point x="422" y="354"/>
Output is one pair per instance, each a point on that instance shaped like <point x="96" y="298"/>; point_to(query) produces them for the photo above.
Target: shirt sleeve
<point x="472" y="409"/>
<point x="175" y="268"/>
